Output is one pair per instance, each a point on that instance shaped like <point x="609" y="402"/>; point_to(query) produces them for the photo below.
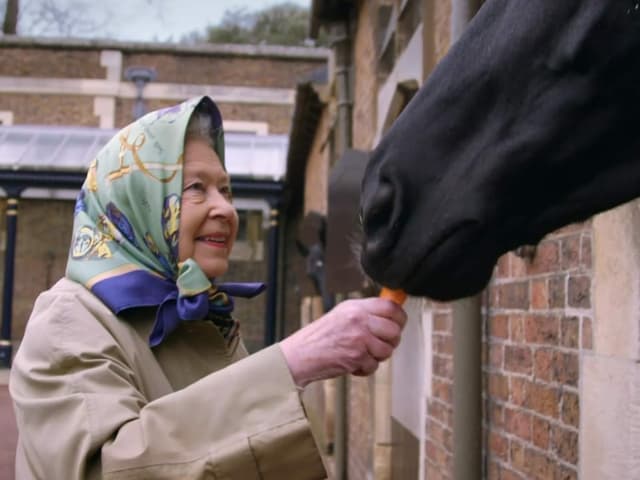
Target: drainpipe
<point x="467" y="339"/>
<point x="341" y="44"/>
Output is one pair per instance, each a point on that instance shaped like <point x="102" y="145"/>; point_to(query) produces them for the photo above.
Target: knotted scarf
<point x="124" y="246"/>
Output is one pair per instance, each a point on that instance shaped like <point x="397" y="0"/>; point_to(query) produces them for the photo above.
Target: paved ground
<point x="8" y="432"/>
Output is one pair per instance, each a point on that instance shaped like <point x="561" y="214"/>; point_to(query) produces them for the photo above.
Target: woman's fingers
<point x="385" y="329"/>
<point x="379" y="349"/>
<point x="368" y="366"/>
<point x="381" y="307"/>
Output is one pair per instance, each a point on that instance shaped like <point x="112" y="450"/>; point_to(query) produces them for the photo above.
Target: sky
<point x="154" y="20"/>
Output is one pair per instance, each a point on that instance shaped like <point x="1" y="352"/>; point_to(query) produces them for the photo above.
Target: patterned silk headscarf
<point x="125" y="232"/>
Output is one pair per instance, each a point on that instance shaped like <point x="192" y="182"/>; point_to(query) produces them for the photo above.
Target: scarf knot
<point x="195" y="298"/>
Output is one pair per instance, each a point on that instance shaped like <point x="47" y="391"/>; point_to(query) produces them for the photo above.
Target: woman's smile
<point x="215" y="241"/>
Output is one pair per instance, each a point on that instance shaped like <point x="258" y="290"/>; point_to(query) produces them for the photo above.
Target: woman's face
<point x="208" y="220"/>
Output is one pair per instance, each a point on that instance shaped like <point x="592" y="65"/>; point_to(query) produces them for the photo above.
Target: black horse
<point x="531" y="122"/>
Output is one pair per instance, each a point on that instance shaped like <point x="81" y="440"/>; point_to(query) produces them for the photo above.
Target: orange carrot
<point x="396" y="296"/>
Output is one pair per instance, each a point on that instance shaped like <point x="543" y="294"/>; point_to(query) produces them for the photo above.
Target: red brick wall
<point x="223" y="70"/>
<point x="277" y="116"/>
<point x="50" y="109"/>
<point x="43" y="238"/>
<point x="540" y="320"/>
<point x="47" y="62"/>
<point x="439" y="442"/>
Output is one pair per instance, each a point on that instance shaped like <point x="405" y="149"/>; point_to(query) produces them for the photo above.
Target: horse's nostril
<point x="380" y="209"/>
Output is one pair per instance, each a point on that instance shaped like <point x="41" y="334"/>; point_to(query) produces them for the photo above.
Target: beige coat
<point x="92" y="400"/>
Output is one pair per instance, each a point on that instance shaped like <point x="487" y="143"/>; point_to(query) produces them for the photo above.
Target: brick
<point x="442" y="322"/>
<point x="437" y="455"/>
<point x="513" y="295"/>
<point x="516" y="328"/>
<point x="518" y="423"/>
<point x="517" y="456"/>
<point x="39" y="264"/>
<point x="539" y="465"/>
<point x="506" y="474"/>
<point x="542" y="329"/>
<point x="46" y="109"/>
<point x="496" y="415"/>
<point x="570" y="332"/>
<point x="570" y="252"/>
<point x="579" y="291"/>
<point x="222" y="70"/>
<point x="442" y="390"/>
<point x="496" y="356"/>
<point x="493" y="470"/>
<point x="557" y="295"/>
<point x="565" y="473"/>
<point x="494" y="297"/>
<point x="49" y="62"/>
<point x="443" y="366"/>
<point x="440" y="411"/>
<point x="498" y="386"/>
<point x="565" y="444"/>
<point x="277" y="116"/>
<point x="547" y="258"/>
<point x="586" y="260"/>
<point x="566" y="368"/>
<point x="518" y="266"/>
<point x="517" y="359"/>
<point x="440" y="435"/>
<point x="539" y="294"/>
<point x="502" y="267"/>
<point x="499" y="326"/>
<point x="518" y="390"/>
<point x="544" y="400"/>
<point x="543" y="364"/>
<point x="433" y="472"/>
<point x="498" y="445"/>
<point x="541" y="432"/>
<point x="587" y="334"/>
<point x="443" y="344"/>
<point x="570" y="409"/>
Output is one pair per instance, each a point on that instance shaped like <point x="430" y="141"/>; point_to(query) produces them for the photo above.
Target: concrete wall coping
<point x="233" y="50"/>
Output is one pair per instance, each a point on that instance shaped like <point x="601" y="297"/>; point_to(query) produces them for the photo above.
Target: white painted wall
<point x="610" y="373"/>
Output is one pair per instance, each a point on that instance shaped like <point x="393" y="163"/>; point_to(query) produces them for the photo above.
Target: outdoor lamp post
<point x="140" y="76"/>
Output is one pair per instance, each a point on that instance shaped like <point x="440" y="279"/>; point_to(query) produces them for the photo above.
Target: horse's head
<point x="532" y="121"/>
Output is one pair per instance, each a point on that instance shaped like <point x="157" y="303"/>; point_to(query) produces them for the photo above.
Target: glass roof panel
<point x="31" y="147"/>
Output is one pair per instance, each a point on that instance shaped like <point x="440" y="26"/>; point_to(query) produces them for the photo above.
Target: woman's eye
<point x="195" y="187"/>
<point x="225" y="190"/>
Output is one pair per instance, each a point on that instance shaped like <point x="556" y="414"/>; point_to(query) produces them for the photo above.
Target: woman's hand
<point x="352" y="338"/>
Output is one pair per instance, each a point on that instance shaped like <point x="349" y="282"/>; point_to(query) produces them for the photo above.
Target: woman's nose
<point x="220" y="206"/>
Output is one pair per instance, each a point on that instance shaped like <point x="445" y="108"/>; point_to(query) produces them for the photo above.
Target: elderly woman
<point x="132" y="366"/>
